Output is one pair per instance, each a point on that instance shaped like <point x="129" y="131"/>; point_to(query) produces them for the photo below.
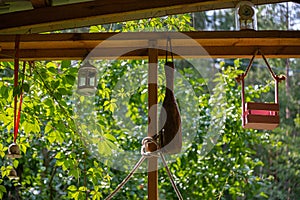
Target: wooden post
<point x="152" y="119"/>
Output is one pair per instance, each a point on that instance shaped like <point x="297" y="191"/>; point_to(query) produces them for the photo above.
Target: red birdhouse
<point x="261" y="115"/>
<point x="258" y="115"/>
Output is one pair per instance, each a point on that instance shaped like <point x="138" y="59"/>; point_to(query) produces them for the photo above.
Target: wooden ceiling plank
<point x="140" y="39"/>
<point x="211" y="52"/>
<point x="103" y="12"/>
<point x="130" y="36"/>
<point x="221" y="44"/>
<point x="40" y="3"/>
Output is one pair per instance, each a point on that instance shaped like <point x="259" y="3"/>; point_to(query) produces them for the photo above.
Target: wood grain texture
<point x="261" y="122"/>
<point x="97" y="12"/>
<point x="152" y="119"/>
<point x="41" y="3"/>
<point x="262" y="106"/>
<point x="202" y="44"/>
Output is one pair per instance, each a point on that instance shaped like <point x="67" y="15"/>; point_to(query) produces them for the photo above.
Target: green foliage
<point x="180" y="22"/>
<point x="65" y="138"/>
<point x="54" y="154"/>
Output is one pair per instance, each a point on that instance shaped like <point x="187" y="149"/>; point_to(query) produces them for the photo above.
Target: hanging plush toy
<point x="170" y="136"/>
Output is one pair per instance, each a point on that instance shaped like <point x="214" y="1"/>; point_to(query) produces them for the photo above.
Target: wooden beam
<point x="152" y="119"/>
<point x="40" y="3"/>
<point x="103" y="12"/>
<point x="215" y="44"/>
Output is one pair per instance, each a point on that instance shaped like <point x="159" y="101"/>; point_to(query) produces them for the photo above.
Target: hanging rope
<point x="169" y="44"/>
<point x="17" y="110"/>
<point x="16" y="77"/>
<point x="147" y="154"/>
<point x="20" y="105"/>
<point x="275" y="77"/>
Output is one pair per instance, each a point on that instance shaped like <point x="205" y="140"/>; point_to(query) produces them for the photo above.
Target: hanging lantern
<point x="245" y="16"/>
<point x="87" y="79"/>
<point x="14" y="151"/>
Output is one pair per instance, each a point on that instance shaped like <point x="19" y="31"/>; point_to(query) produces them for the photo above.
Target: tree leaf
<point x="65" y="64"/>
<point x="110" y="137"/>
<point x="15" y="163"/>
<point x="70" y="79"/>
<point x="72" y="188"/>
<point x="26" y="87"/>
<point x="2" y="189"/>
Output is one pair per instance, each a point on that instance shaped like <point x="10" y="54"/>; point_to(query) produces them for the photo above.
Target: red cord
<point x="20" y="105"/>
<point x="16" y="77"/>
<point x="17" y="116"/>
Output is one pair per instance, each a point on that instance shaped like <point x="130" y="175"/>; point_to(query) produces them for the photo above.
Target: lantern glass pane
<point x="92" y="77"/>
<point x="92" y="81"/>
<point x="82" y="81"/>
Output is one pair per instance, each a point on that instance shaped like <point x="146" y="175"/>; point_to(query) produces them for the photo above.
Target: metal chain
<point x="147" y="154"/>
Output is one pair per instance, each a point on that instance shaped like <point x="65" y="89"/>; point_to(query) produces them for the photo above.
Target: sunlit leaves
<point x="46" y="123"/>
<point x="2" y="150"/>
<point x="76" y="193"/>
<point x="55" y="136"/>
<point x="5" y="170"/>
<point x="72" y="188"/>
<point x="122" y="93"/>
<point x="96" y="194"/>
<point x="104" y="92"/>
<point x="297" y="121"/>
<point x="180" y="22"/>
<point x="2" y="191"/>
<point x="15" y="163"/>
<point x="110" y="137"/>
<point x="98" y="28"/>
<point x="23" y="144"/>
<point x="31" y="126"/>
<point x="110" y="105"/>
<point x="68" y="162"/>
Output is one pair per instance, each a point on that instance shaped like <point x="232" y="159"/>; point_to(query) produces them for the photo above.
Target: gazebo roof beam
<point x="40" y="3"/>
<point x="103" y="12"/>
<point x="216" y="44"/>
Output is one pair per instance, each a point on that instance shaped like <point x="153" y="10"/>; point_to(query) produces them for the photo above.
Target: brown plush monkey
<point x="170" y="136"/>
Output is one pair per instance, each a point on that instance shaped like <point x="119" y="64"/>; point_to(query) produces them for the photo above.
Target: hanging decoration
<point x="13" y="149"/>
<point x="245" y="16"/>
<point x="13" y="174"/>
<point x="257" y="115"/>
<point x="87" y="79"/>
<point x="170" y="136"/>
